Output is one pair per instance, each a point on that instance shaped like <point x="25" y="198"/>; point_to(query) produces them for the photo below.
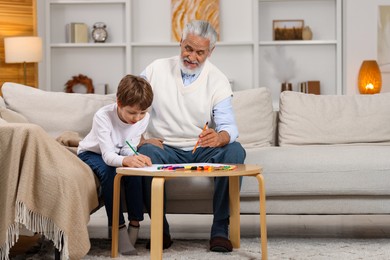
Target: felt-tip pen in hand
<point x="196" y="145"/>
<point x="131" y="147"/>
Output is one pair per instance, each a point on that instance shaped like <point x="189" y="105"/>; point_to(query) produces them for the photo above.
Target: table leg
<point x="263" y="224"/>
<point x="234" y="204"/>
<point x="156" y="220"/>
<point x="115" y="216"/>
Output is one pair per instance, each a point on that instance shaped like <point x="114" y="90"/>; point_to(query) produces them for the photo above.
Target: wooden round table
<point x="157" y="202"/>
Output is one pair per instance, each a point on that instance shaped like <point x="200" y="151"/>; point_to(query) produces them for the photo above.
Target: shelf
<point x="175" y="44"/>
<point x="234" y="43"/>
<point x="87" y="45"/>
<point x="96" y="60"/>
<point x="314" y="42"/>
<point x="87" y="2"/>
<point x="273" y="1"/>
<point x="324" y="17"/>
<point x="155" y="44"/>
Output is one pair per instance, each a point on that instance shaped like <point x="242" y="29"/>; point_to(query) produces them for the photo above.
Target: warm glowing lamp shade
<point x="370" y="78"/>
<point x="23" y="50"/>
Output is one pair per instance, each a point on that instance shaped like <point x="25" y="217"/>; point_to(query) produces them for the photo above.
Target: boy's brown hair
<point x="134" y="91"/>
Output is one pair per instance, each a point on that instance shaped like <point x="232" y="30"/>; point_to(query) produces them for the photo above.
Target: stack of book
<point x="310" y="87"/>
<point x="77" y="33"/>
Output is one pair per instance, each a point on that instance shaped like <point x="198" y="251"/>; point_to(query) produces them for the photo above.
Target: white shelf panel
<point x="175" y="44"/>
<point x="87" y="45"/>
<point x="314" y="42"/>
<point x="272" y="1"/>
<point x="87" y="2"/>
<point x="155" y="44"/>
<point x="248" y="43"/>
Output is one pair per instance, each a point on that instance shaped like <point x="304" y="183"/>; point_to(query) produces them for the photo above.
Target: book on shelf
<point x="310" y="87"/>
<point x="77" y="33"/>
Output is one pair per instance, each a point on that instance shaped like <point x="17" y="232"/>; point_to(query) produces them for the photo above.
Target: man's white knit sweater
<point x="179" y="112"/>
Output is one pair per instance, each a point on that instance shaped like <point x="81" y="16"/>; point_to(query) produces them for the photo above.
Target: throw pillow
<point x="333" y="119"/>
<point x="55" y="112"/>
<point x="254" y="115"/>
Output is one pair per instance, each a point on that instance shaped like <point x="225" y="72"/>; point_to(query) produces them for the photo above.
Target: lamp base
<point x="25" y="72"/>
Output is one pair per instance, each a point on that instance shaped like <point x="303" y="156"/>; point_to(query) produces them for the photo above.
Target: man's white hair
<point x="201" y="28"/>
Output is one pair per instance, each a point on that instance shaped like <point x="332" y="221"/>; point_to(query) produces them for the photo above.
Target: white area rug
<point x="278" y="249"/>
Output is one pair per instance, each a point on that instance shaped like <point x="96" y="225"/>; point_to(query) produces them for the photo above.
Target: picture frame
<point x="383" y="45"/>
<point x="287" y="30"/>
<point x="184" y="11"/>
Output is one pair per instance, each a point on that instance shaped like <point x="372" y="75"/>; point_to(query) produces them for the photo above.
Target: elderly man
<point x="193" y="106"/>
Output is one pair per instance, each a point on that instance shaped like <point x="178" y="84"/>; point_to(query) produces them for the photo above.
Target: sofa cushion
<point x="12" y="116"/>
<point x="2" y="103"/>
<point x="55" y="112"/>
<point x="320" y="170"/>
<point x="254" y="115"/>
<point x="333" y="119"/>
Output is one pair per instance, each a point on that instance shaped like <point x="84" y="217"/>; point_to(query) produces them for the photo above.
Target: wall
<point x="360" y="40"/>
<point x="17" y="18"/>
<point x="151" y="38"/>
<point x="239" y="53"/>
<point x="359" y="35"/>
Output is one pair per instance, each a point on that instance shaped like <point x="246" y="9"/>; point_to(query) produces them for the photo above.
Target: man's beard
<point x="188" y="71"/>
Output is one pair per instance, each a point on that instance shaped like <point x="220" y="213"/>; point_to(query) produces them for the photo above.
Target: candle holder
<point x="370" y="78"/>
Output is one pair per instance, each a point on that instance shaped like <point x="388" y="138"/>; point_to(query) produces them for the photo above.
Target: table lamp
<point x="22" y="50"/>
<point x="370" y="78"/>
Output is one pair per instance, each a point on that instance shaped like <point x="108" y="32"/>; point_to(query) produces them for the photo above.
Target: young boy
<point x="115" y="128"/>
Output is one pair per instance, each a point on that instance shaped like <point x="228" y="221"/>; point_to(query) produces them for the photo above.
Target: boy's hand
<point x="137" y="161"/>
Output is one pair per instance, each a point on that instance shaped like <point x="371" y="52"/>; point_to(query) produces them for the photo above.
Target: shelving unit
<point x="316" y="59"/>
<point x="104" y="63"/>
<point x="139" y="32"/>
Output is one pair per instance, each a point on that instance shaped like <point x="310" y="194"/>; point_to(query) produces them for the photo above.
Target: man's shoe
<point x="167" y="242"/>
<point x="220" y="244"/>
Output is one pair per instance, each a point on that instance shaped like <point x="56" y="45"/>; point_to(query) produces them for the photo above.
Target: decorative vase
<point x="307" y="33"/>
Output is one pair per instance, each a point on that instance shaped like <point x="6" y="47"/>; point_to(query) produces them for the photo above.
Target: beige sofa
<point x="320" y="154"/>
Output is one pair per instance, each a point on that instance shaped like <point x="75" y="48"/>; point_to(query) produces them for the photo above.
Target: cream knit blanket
<point x="44" y="187"/>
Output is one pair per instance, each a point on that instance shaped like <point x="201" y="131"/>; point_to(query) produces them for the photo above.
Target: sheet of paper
<point x="155" y="167"/>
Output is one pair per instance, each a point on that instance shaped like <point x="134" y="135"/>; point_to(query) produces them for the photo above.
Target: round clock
<point x="99" y="32"/>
